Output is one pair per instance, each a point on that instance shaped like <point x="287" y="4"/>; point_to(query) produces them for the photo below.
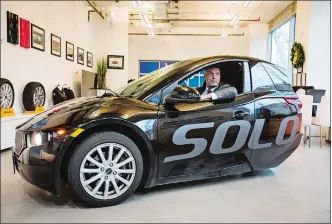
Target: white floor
<point x="296" y="191"/>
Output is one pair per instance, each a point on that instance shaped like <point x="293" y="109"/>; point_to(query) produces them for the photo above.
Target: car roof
<point x="226" y="57"/>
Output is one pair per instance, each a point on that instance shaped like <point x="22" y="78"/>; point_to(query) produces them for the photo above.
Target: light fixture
<point x="151" y="33"/>
<point x="225" y="33"/>
<point x="138" y="3"/>
<point x="247" y="3"/>
<point x="145" y="19"/>
<point x="235" y="20"/>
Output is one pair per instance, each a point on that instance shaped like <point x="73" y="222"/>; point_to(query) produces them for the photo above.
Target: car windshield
<point x="139" y="86"/>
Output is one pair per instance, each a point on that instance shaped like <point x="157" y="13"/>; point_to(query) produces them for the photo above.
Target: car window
<point x="278" y="77"/>
<point x="135" y="88"/>
<point x="261" y="80"/>
<point x="234" y="73"/>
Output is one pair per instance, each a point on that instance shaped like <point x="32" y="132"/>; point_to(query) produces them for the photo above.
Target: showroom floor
<point x="296" y="191"/>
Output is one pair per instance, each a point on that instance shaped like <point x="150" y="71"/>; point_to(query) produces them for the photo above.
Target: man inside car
<point x="215" y="87"/>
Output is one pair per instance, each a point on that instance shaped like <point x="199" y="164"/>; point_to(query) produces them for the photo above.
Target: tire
<point x="7" y="94"/>
<point x="78" y="160"/>
<point x="28" y="96"/>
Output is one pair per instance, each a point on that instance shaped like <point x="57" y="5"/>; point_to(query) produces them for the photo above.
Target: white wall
<point x="258" y="47"/>
<point x="66" y="19"/>
<point x="313" y="32"/>
<point x="302" y="26"/>
<point x="318" y="59"/>
<point x="182" y="47"/>
<point x="114" y="41"/>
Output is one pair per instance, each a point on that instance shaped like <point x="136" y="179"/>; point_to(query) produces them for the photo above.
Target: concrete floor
<point x="296" y="191"/>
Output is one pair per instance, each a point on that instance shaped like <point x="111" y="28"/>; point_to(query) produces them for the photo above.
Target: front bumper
<point x="35" y="165"/>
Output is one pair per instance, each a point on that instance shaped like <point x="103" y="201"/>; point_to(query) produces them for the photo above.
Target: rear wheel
<point x="105" y="169"/>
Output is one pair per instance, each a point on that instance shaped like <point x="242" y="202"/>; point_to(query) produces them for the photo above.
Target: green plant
<point x="297" y="55"/>
<point x="101" y="71"/>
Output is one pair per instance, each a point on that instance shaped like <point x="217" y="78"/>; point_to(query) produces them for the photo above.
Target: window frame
<point x="267" y="74"/>
<point x="170" y="87"/>
<point x="292" y="34"/>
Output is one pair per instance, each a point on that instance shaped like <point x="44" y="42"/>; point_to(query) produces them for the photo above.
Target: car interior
<point x="232" y="73"/>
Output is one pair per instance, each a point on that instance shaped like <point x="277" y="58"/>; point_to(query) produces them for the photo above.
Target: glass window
<point x="261" y="80"/>
<point x="280" y="46"/>
<point x="278" y="77"/>
<point x="280" y="43"/>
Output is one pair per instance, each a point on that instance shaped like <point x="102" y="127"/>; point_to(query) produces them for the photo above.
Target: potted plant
<point x="101" y="73"/>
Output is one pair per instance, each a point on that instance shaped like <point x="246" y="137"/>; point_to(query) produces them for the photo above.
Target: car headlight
<point x="38" y="138"/>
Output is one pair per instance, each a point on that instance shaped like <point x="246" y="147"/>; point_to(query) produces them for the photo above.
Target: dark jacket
<point x="225" y="91"/>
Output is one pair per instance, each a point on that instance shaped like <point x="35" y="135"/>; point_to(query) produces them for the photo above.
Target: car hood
<point x="80" y="110"/>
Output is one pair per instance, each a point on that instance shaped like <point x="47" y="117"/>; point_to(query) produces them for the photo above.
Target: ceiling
<point x="197" y="14"/>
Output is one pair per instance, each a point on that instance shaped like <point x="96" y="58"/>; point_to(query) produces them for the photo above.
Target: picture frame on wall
<point x="25" y="33"/>
<point x="12" y="28"/>
<point x="115" y="61"/>
<point x="55" y="45"/>
<point x="80" y="56"/>
<point x="89" y="59"/>
<point x="70" y="54"/>
<point x="37" y="37"/>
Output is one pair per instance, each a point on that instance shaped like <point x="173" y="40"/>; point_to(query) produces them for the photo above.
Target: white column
<point x="258" y="36"/>
<point x="114" y="41"/>
<point x="313" y="32"/>
<point x="302" y="26"/>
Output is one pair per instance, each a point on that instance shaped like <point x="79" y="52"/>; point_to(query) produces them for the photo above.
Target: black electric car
<point x="157" y="130"/>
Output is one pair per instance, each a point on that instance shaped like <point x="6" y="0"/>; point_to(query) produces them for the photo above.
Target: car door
<point x="205" y="136"/>
<point x="277" y="116"/>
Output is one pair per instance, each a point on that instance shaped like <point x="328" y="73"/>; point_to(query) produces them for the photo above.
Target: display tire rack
<point x="33" y="96"/>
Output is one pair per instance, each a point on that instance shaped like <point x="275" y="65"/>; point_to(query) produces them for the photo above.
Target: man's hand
<point x="207" y="96"/>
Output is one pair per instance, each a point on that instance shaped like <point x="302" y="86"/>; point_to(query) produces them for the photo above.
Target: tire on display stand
<point x="33" y="96"/>
<point x="7" y="94"/>
<point x="104" y="169"/>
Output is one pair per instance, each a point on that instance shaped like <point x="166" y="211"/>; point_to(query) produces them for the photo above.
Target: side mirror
<point x="183" y="94"/>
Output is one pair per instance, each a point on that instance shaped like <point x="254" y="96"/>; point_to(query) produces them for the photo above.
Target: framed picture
<point x="70" y="51"/>
<point x="89" y="59"/>
<point x="12" y="28"/>
<point x="80" y="56"/>
<point x="24" y="33"/>
<point x="37" y="37"/>
<point x="55" y="45"/>
<point x="115" y="61"/>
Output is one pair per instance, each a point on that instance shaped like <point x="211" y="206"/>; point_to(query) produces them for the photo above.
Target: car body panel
<point x="184" y="141"/>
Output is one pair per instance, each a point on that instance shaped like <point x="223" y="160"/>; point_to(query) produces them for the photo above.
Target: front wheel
<point x="105" y="169"/>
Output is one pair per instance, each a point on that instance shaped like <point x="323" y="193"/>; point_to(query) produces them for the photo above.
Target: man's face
<point x="212" y="77"/>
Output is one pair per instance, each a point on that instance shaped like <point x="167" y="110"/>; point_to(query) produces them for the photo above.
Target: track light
<point x="247" y="3"/>
<point x="225" y="33"/>
<point x="151" y="33"/>
<point x="235" y="20"/>
<point x="138" y="3"/>
<point x="145" y="19"/>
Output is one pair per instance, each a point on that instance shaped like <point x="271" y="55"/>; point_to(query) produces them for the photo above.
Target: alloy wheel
<point x="38" y="96"/>
<point x="6" y="96"/>
<point x="107" y="171"/>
